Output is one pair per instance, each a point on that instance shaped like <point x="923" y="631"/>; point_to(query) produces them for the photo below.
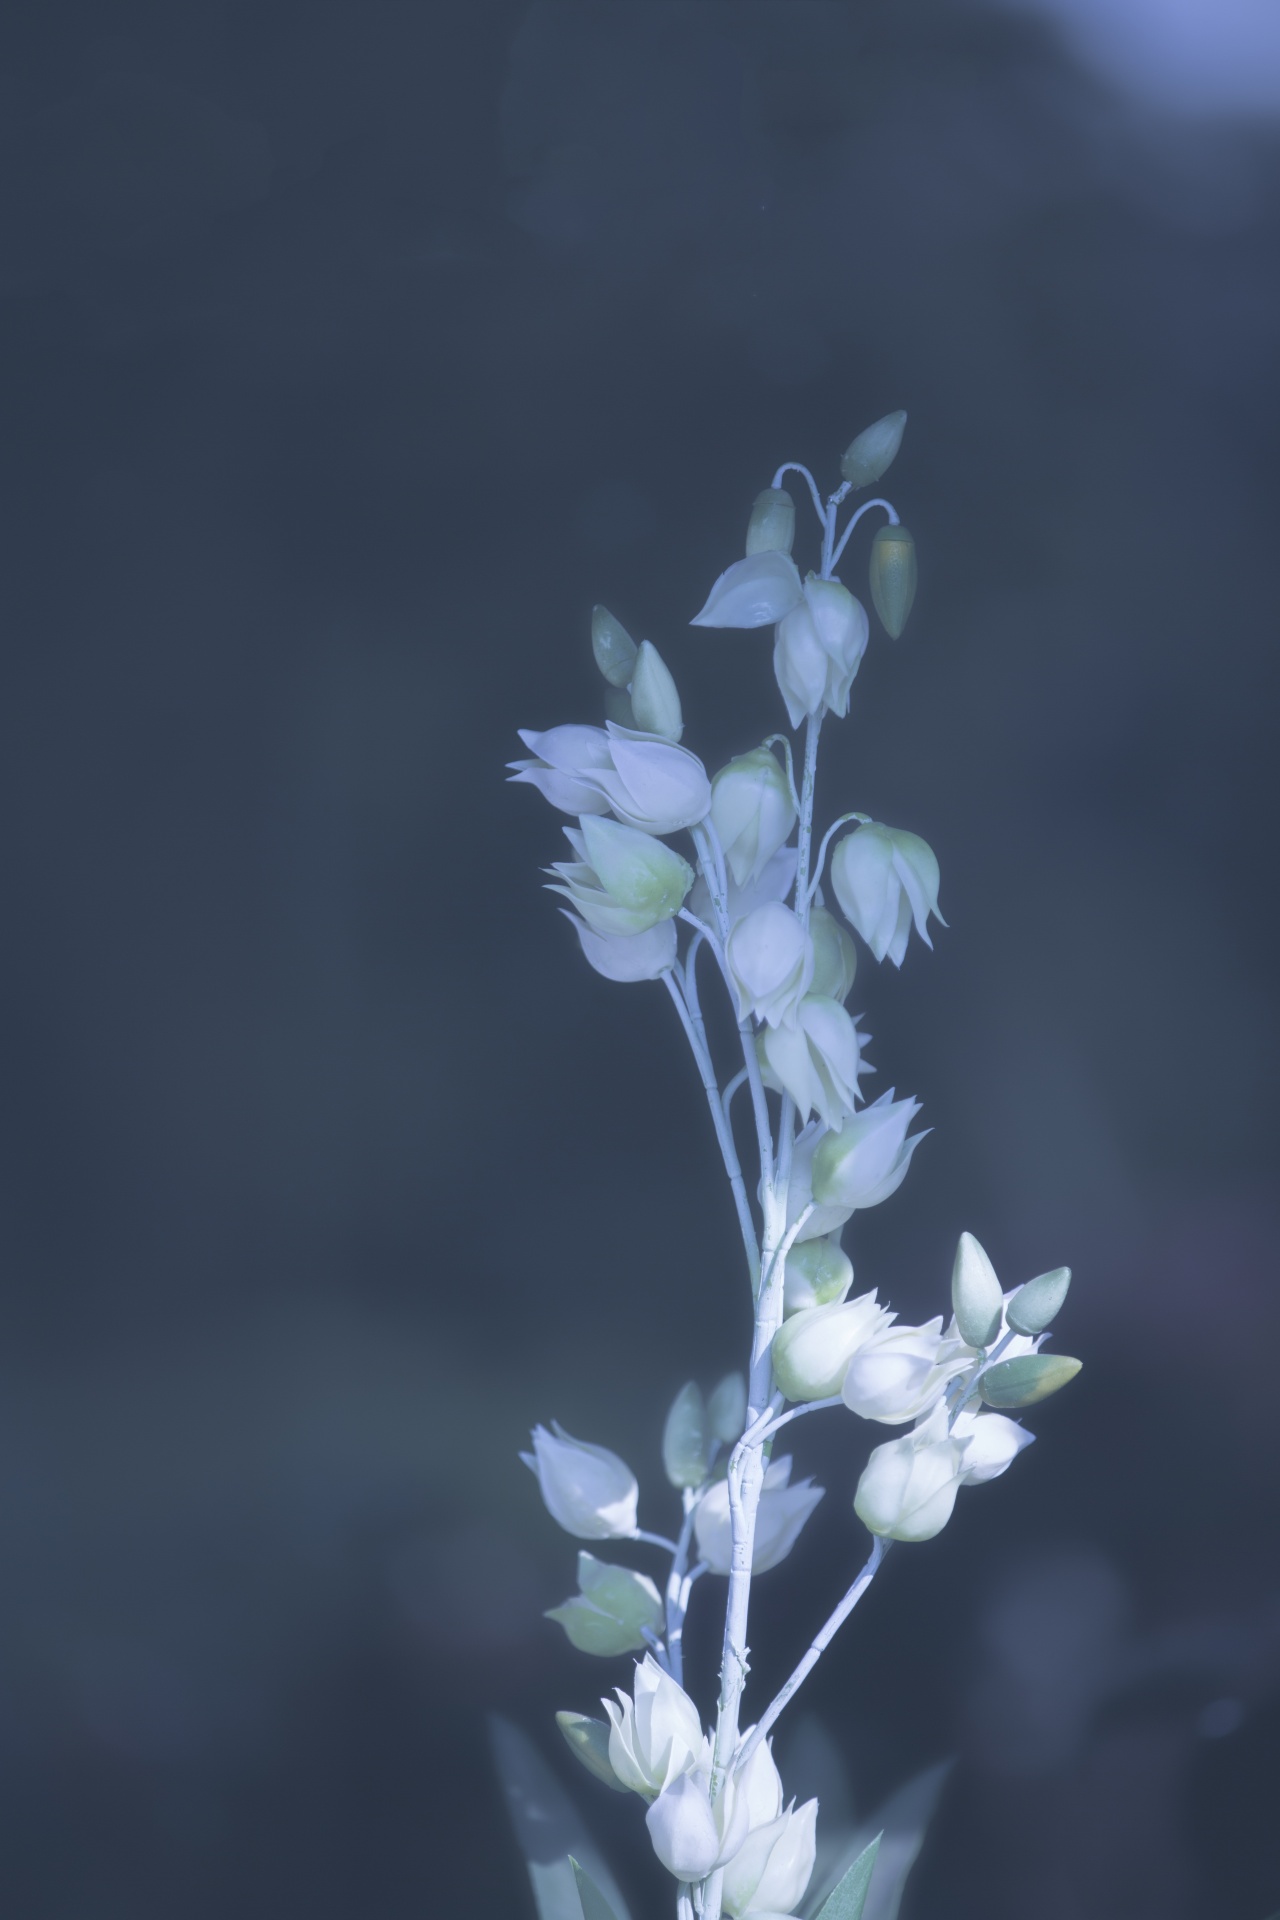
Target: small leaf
<point x="1032" y="1377"/>
<point x="588" y="1741"/>
<point x="684" y="1438"/>
<point x="850" y="1897"/>
<point x="594" y="1904"/>
<point x="901" y="1821"/>
<point x="1035" y="1305"/>
<point x="727" y="1408"/>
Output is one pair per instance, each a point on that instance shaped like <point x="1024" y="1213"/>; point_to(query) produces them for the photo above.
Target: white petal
<point x="635" y="956"/>
<point x="754" y="592"/>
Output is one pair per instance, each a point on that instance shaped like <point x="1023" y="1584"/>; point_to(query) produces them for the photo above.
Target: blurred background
<point x="350" y="353"/>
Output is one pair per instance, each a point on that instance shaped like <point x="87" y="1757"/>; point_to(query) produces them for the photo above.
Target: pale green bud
<point x="684" y="1438"/>
<point x="727" y="1409"/>
<point x="976" y="1298"/>
<point x="654" y="700"/>
<point x="813" y="1348"/>
<point x="818" y="1274"/>
<point x="867" y="1159"/>
<point x="611" y="1612"/>
<point x="638" y="872"/>
<point x="588" y="1741"/>
<point x="613" y="647"/>
<point x="752" y="811"/>
<point x="893" y="577"/>
<point x="1031" y="1377"/>
<point x="835" y="958"/>
<point x="1032" y="1307"/>
<point x="874" y="450"/>
<point x="772" y="526"/>
<point x="908" y="1486"/>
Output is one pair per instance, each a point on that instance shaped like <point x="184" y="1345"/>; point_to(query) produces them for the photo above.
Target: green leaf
<point x="901" y="1821"/>
<point x="1031" y="1377"/>
<point x="594" y="1904"/>
<point x="547" y="1827"/>
<point x="850" y="1896"/>
<point x="684" y="1439"/>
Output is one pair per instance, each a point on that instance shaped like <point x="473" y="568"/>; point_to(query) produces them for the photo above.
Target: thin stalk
<point x="793" y="466"/>
<point x="853" y="521"/>
<point x="864" y="819"/>
<point x="696" y="1036"/>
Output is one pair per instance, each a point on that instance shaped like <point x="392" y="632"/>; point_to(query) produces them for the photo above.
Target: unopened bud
<point x="613" y="647"/>
<point x="835" y="958"/>
<point x="727" y="1409"/>
<point x="772" y="526"/>
<point x="818" y="1273"/>
<point x="893" y="577"/>
<point x="654" y="700"/>
<point x="874" y="450"/>
<point x="976" y="1298"/>
<point x="812" y="1350"/>
<point x="588" y="1741"/>
<point x="1031" y="1377"/>
<point x="684" y="1438"/>
<point x="1032" y="1307"/>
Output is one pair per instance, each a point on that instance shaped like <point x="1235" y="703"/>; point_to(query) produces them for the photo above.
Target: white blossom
<point x="901" y="1372"/>
<point x="867" y="1159"/>
<point x="815" y="1058"/>
<point x="752" y="811"/>
<point x="812" y="1350"/>
<point x="770" y="959"/>
<point x="782" y="1512"/>
<point x="588" y="1491"/>
<point x="648" y="782"/>
<point x="908" y="1486"/>
<point x="817" y="649"/>
<point x="989" y="1445"/>
<point x="767" y="1877"/>
<point x="884" y="878"/>
<point x="623" y="881"/>
<point x="627" y="956"/>
<point x="823" y="1219"/>
<point x="655" y="1734"/>
<point x="754" y="592"/>
<point x="692" y="1835"/>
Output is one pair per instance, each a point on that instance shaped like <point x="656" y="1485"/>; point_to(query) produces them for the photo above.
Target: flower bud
<point x="780" y="1515"/>
<point x="625" y="882"/>
<point x="655" y="1734"/>
<point x="976" y="1298"/>
<point x="874" y="450"/>
<point x="883" y="878"/>
<point x="654" y="700"/>
<point x="818" y="1274"/>
<point x="772" y="526"/>
<point x="587" y="1490"/>
<point x="821" y="1219"/>
<point x="902" y="1372"/>
<point x="1027" y="1379"/>
<point x="613" y="647"/>
<point x="610" y="1614"/>
<point x="835" y="958"/>
<point x="893" y="577"/>
<point x="867" y="1159"/>
<point x="752" y="811"/>
<point x="812" y="1350"/>
<point x="817" y="649"/>
<point x="772" y="1868"/>
<point x="588" y="1741"/>
<point x="684" y="1438"/>
<point x="1033" y="1307"/>
<point x="691" y="1834"/>
<point x="727" y="1409"/>
<point x="817" y="1060"/>
<point x="989" y="1446"/>
<point x="649" y="783"/>
<point x="770" y="962"/>
<point x="908" y="1486"/>
<point x="754" y="592"/>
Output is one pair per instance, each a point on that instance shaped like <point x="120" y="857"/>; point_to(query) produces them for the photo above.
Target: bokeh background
<point x="350" y="353"/>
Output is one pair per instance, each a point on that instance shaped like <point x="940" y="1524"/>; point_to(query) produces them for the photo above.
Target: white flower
<point x="823" y="1219"/>
<point x="817" y="649"/>
<point x="646" y="781"/>
<point x="655" y="1734"/>
<point x="989" y="1445"/>
<point x="781" y="1514"/>
<point x="835" y="958"/>
<point x="812" y="1350"/>
<point x="623" y="881"/>
<point x="759" y="1783"/>
<point x="771" y="962"/>
<point x="610" y="1614"/>
<point x="752" y="811"/>
<point x="691" y="1835"/>
<point x="908" y="1486"/>
<point x="589" y="1491"/>
<point x="818" y="1273"/>
<point x="752" y="593"/>
<point x="901" y="1372"/>
<point x="867" y="1159"/>
<point x="816" y="1058"/>
<point x="767" y="1877"/>
<point x="628" y="956"/>
<point x="883" y="878"/>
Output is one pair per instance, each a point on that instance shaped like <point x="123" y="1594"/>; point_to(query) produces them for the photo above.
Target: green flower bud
<point x="588" y="1741"/>
<point x="772" y="526"/>
<point x="835" y="958"/>
<point x="812" y="1349"/>
<point x="1032" y="1307"/>
<point x="893" y="577"/>
<point x="610" y="1614"/>
<point x="1031" y="1377"/>
<point x="976" y="1298"/>
<point x="727" y="1409"/>
<point x="874" y="450"/>
<point x="654" y="700"/>
<point x="613" y="647"/>
<point x="684" y="1438"/>
<point x="817" y="1274"/>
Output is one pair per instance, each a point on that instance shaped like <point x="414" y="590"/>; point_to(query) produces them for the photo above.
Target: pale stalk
<point x="695" y="1033"/>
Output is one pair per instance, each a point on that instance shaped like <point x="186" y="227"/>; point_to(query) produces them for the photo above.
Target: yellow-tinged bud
<point x="1031" y="1377"/>
<point x="613" y="647"/>
<point x="893" y="577"/>
<point x="772" y="526"/>
<point x="874" y="450"/>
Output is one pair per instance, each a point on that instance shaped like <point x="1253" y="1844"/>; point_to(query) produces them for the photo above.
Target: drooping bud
<point x="613" y="647"/>
<point x="976" y="1298"/>
<point x="812" y="1350"/>
<point x="1032" y="1307"/>
<point x="884" y="878"/>
<point x="867" y="1159"/>
<point x="818" y="648"/>
<point x="817" y="1059"/>
<point x="1029" y="1378"/>
<point x="588" y="1741"/>
<point x="893" y="577"/>
<point x="835" y="958"/>
<point x="781" y="1514"/>
<point x="754" y="592"/>
<point x="611" y="1612"/>
<point x="752" y="811"/>
<point x="654" y="699"/>
<point x="874" y="450"/>
<point x="770" y="962"/>
<point x="684" y="1438"/>
<point x="627" y="956"/>
<point x="818" y="1274"/>
<point x="625" y="881"/>
<point x="727" y="1409"/>
<point x="772" y="526"/>
<point x="588" y="1491"/>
